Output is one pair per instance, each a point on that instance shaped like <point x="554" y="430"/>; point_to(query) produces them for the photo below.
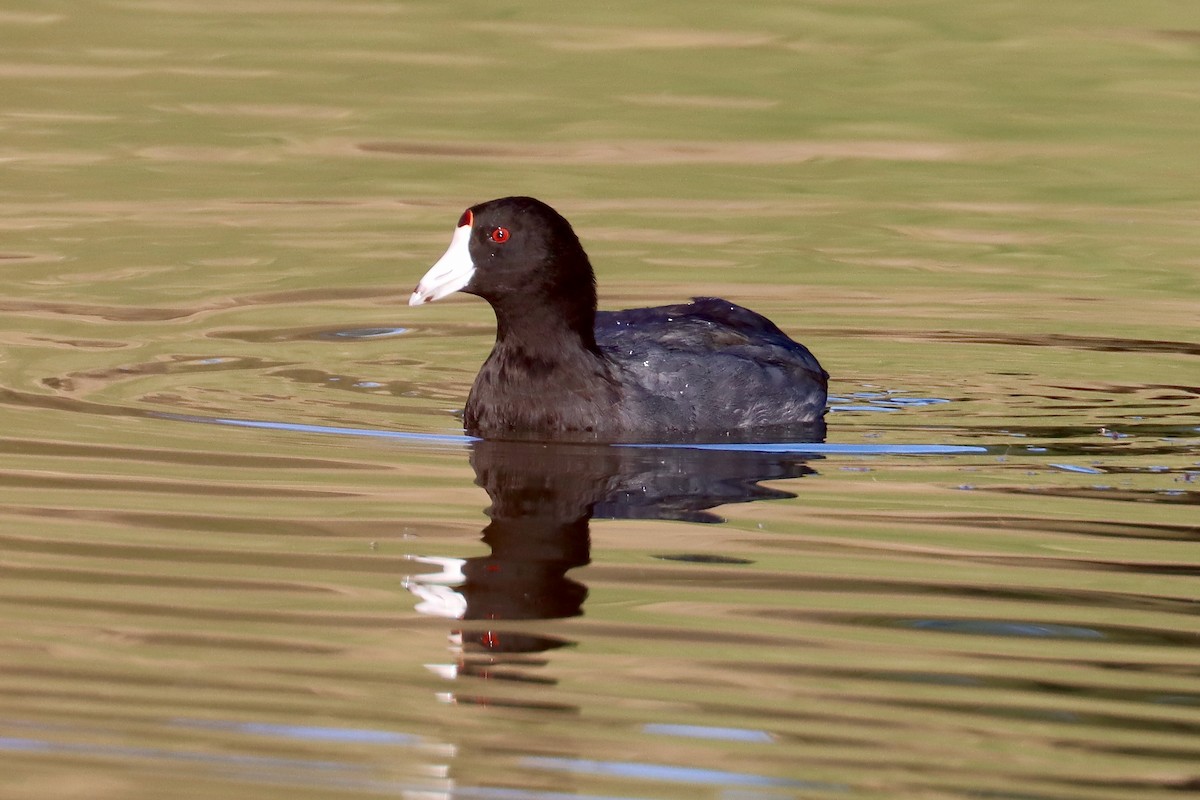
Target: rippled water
<point x="247" y="550"/>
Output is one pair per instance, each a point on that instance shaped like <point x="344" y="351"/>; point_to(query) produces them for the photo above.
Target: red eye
<point x="499" y="235"/>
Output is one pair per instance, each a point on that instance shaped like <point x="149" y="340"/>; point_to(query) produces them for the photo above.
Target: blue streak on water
<point x="1076" y="468"/>
<point x="668" y="773"/>
<point x="917" y="401"/>
<point x="880" y="402"/>
<point x="708" y="732"/>
<point x="823" y="448"/>
<point x="462" y="440"/>
<point x="310" y="733"/>
<point x="18" y="744"/>
<point x="489" y="793"/>
<point x="305" y="773"/>
<point x="367" y="333"/>
<point x="282" y="771"/>
<point x="1030" y="630"/>
<point x="295" y="427"/>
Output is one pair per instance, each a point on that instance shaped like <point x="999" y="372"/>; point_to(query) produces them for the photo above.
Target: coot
<point x="560" y="369"/>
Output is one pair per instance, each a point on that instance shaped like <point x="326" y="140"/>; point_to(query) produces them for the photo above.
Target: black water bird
<point x="562" y="370"/>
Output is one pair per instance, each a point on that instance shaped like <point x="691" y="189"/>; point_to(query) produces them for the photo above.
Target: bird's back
<point x="710" y="365"/>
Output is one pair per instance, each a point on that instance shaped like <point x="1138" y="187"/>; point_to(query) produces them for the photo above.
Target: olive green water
<point x="984" y="218"/>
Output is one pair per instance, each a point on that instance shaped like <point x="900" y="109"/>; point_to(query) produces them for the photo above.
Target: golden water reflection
<point x="982" y="217"/>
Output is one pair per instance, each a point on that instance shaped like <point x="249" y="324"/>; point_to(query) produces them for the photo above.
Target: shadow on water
<point x="543" y="498"/>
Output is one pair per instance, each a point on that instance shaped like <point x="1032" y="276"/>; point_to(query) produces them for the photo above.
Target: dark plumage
<point x="560" y="369"/>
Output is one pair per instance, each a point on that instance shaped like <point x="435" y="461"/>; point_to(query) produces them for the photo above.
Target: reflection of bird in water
<point x="543" y="499"/>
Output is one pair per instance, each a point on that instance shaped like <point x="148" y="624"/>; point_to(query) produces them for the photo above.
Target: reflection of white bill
<point x="452" y="570"/>
<point x="447" y="671"/>
<point x="435" y="589"/>
<point x="438" y="601"/>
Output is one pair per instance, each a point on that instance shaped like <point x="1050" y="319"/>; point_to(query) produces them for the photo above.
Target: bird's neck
<point x="547" y="331"/>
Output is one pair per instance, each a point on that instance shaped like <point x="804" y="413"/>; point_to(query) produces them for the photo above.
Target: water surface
<point x="248" y="551"/>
